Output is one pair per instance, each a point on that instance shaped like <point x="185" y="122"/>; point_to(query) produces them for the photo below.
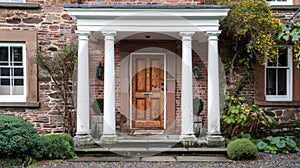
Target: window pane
<point x="283" y="57"/>
<point x="18" y="82"/>
<point x="3" y="55"/>
<point x="4" y="71"/>
<point x="16" y="55"/>
<point x="18" y="72"/>
<point x="4" y="81"/>
<point x="282" y="88"/>
<point x="4" y="90"/>
<point x="17" y="90"/>
<point x="271" y="81"/>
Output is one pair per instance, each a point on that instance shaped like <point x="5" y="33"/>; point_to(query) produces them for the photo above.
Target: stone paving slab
<point x="217" y="158"/>
<point x="202" y="159"/>
<point x="106" y="159"/>
<point x="158" y="159"/>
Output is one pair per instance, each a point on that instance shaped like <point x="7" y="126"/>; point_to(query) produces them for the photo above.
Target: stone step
<point x="171" y="158"/>
<point x="147" y="151"/>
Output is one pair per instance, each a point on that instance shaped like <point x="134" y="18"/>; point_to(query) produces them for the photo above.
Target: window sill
<point x="19" y="5"/>
<point x="20" y="104"/>
<point x="276" y="103"/>
<point x="285" y="7"/>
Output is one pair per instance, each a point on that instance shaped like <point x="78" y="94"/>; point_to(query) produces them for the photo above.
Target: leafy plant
<point x="19" y="142"/>
<point x="291" y="34"/>
<point x="60" y="66"/>
<point x="241" y="149"/>
<point x="274" y="145"/>
<point x="239" y="118"/>
<point x="198" y="106"/>
<point x="97" y="106"/>
<point x="59" y="146"/>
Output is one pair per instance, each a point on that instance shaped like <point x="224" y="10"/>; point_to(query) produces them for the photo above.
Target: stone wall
<point x="54" y="27"/>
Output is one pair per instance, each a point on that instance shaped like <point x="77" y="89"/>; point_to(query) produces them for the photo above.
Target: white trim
<point x="147" y="20"/>
<point x="276" y="2"/>
<point x="289" y="81"/>
<point x="17" y="98"/>
<point x="165" y="84"/>
<point x="13" y="1"/>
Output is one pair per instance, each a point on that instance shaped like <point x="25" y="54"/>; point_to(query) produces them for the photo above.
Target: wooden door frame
<point x="165" y="86"/>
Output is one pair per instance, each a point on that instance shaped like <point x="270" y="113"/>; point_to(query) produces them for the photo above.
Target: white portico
<point x="115" y="22"/>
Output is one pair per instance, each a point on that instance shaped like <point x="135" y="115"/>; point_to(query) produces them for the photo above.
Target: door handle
<point x="148" y="94"/>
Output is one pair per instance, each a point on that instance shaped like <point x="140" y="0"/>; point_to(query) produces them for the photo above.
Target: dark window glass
<point x="18" y="71"/>
<point x="5" y="82"/>
<point x="282" y="57"/>
<point x="3" y="55"/>
<point x="282" y="76"/>
<point x="271" y="81"/>
<point x="4" y="71"/>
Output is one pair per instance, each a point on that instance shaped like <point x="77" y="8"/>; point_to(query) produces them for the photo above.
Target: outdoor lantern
<point x="196" y="71"/>
<point x="99" y="71"/>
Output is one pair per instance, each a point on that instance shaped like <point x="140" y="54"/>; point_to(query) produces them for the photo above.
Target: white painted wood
<point x="289" y="83"/>
<point x="83" y="104"/>
<point x="187" y="85"/>
<point x="213" y="114"/>
<point x="109" y="116"/>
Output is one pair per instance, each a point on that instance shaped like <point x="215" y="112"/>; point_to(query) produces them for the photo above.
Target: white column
<point x="109" y="117"/>
<point x="213" y="84"/>
<point x="187" y="131"/>
<point x="83" y="105"/>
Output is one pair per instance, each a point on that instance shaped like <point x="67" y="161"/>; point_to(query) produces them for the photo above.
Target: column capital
<point x="213" y="35"/>
<point x="82" y="35"/>
<point x="109" y="33"/>
<point x="186" y="35"/>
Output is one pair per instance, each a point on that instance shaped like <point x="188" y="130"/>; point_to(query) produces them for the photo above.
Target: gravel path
<point x="263" y="161"/>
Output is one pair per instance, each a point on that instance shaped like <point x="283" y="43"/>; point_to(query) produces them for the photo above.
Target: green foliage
<point x="239" y="118"/>
<point x="241" y="149"/>
<point x="60" y="66"/>
<point x="274" y="145"/>
<point x="291" y="34"/>
<point x="198" y="106"/>
<point x="19" y="142"/>
<point x="253" y="30"/>
<point x="97" y="106"/>
<point x="59" y="146"/>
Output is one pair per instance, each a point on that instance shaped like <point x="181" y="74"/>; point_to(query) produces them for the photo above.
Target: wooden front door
<point x="148" y="91"/>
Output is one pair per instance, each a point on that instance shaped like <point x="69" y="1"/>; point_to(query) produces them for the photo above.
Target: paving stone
<point x="158" y="159"/>
<point x="202" y="159"/>
<point x="105" y="159"/>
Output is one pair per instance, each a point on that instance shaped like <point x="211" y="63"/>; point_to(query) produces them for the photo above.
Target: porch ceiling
<point x="147" y="18"/>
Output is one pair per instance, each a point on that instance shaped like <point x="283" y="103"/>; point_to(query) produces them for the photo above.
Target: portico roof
<point x="147" y="17"/>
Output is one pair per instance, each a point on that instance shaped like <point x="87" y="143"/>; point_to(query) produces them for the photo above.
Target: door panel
<point x="147" y="91"/>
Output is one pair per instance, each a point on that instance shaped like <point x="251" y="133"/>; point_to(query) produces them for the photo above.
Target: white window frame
<point x="17" y="98"/>
<point x="276" y="2"/>
<point x="13" y="1"/>
<point x="289" y="80"/>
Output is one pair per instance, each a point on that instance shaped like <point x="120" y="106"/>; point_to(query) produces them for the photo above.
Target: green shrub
<point x="59" y="146"/>
<point x="241" y="149"/>
<point x="277" y="144"/>
<point x="197" y="106"/>
<point x="239" y="118"/>
<point x="97" y="106"/>
<point x="19" y="142"/>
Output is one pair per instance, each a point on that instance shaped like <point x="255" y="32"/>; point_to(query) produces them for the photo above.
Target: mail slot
<point x="148" y="94"/>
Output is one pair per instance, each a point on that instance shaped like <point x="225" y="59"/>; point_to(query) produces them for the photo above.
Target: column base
<point x="108" y="139"/>
<point x="188" y="140"/>
<point x="83" y="140"/>
<point x="215" y="140"/>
